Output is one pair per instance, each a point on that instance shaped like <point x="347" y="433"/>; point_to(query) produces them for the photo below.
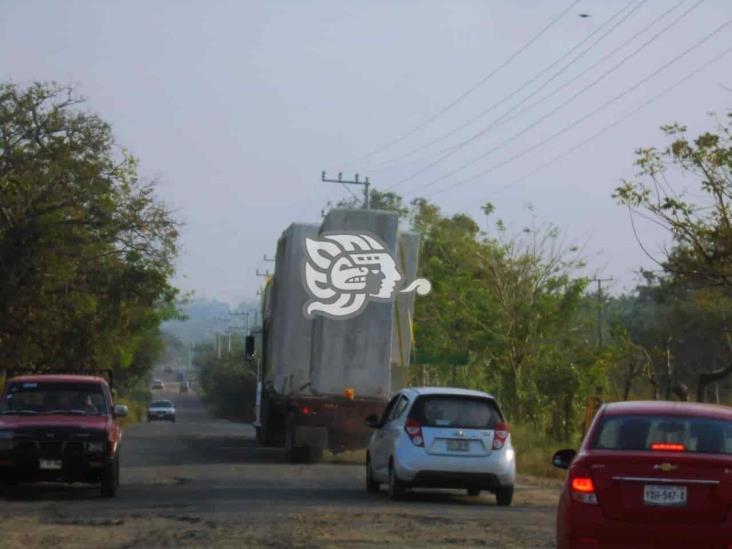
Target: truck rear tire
<point x="293" y="454"/>
<point x="315" y="453"/>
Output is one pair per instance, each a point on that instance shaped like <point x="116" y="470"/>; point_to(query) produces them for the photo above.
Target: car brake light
<point x="500" y="435"/>
<point x="668" y="447"/>
<point x="306" y="410"/>
<point x="414" y="430"/>
<point x="581" y="487"/>
<point x="583" y="484"/>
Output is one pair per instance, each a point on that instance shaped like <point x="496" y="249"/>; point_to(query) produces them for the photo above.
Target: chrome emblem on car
<point x="665" y="467"/>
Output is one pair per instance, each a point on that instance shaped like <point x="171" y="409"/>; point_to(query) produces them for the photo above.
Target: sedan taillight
<point x="581" y="487"/>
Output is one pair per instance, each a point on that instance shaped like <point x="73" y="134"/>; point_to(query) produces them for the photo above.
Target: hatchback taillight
<point x="500" y="434"/>
<point x="581" y="487"/>
<point x="414" y="430"/>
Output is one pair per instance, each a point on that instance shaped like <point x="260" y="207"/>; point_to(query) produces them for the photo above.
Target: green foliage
<point x="514" y="306"/>
<point x="702" y="231"/>
<point x="377" y="201"/>
<point x="686" y="326"/>
<point x="86" y="250"/>
<point x="228" y="383"/>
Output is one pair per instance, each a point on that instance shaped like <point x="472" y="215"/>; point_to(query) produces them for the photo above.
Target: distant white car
<point x="161" y="409"/>
<point x="440" y="437"/>
<point x="158" y="385"/>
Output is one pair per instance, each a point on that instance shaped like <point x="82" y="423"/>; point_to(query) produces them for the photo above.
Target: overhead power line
<point x="536" y="77"/>
<point x="593" y="112"/>
<point x="556" y="109"/>
<point x="620" y="120"/>
<point x="470" y="90"/>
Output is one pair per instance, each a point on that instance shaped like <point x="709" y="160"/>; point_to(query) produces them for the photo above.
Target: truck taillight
<point x="414" y="430"/>
<point x="500" y="434"/>
<point x="581" y="487"/>
<point x="306" y="410"/>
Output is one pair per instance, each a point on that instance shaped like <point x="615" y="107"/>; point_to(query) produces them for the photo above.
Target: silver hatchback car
<point x="439" y="437"/>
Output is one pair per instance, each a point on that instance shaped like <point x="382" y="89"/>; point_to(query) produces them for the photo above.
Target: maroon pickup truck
<point x="59" y="428"/>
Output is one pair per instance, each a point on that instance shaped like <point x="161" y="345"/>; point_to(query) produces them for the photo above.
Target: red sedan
<point x="649" y="474"/>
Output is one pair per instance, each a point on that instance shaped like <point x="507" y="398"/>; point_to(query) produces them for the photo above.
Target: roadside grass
<point x="534" y="451"/>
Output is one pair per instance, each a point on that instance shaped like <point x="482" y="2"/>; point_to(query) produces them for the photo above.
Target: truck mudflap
<point x="311" y="436"/>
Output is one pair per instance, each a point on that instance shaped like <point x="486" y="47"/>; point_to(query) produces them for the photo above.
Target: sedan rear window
<point x="456" y="411"/>
<point x="161" y="404"/>
<point x="681" y="433"/>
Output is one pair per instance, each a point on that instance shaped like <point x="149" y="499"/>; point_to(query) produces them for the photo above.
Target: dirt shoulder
<point x="423" y="519"/>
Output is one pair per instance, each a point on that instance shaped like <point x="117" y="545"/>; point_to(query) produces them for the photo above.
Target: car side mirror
<point x="372" y="421"/>
<point x="120" y="410"/>
<point x="563" y="458"/>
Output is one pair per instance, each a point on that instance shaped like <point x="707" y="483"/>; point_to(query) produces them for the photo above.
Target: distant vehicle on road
<point x="180" y="376"/>
<point x="649" y="474"/>
<point x="158" y="385"/>
<point x="185" y="386"/>
<point x="168" y="370"/>
<point x="161" y="410"/>
<point x="60" y="428"/>
<point x="441" y="438"/>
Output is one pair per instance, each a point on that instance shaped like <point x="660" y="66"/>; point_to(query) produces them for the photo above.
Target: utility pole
<point x="355" y="181"/>
<point x="269" y="259"/>
<point x="266" y="273"/>
<point x="245" y="314"/>
<point x="600" y="308"/>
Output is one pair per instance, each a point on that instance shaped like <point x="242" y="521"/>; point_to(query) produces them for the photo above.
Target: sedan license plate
<point x="50" y="464"/>
<point x="664" y="495"/>
<point x="457" y="445"/>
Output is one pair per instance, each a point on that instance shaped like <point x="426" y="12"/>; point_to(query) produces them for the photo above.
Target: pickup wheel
<point x="110" y="478"/>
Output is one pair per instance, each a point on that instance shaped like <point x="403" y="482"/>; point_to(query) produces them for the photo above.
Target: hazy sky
<point x="237" y="106"/>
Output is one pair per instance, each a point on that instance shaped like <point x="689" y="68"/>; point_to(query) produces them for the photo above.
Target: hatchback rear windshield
<point x="681" y="433"/>
<point x="456" y="411"/>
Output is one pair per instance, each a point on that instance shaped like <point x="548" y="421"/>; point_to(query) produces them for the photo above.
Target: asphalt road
<point x="203" y="482"/>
